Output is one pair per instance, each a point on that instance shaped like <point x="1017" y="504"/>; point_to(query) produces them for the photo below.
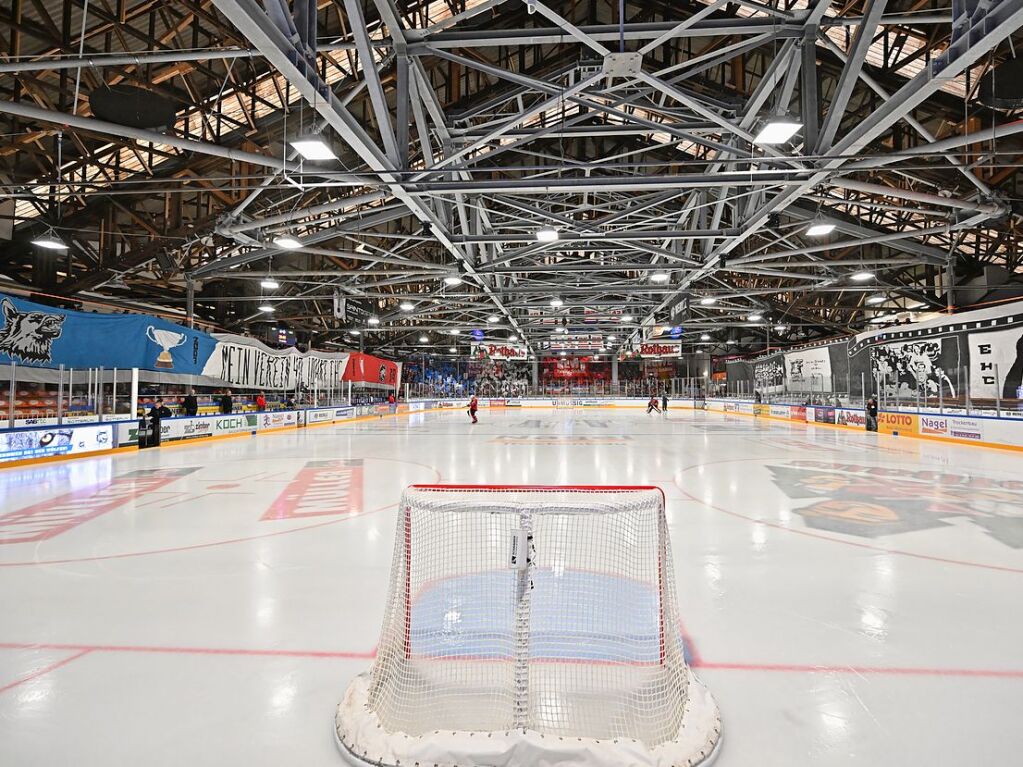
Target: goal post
<point x="529" y="625"/>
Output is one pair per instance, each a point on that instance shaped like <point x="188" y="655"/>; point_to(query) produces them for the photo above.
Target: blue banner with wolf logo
<point x="45" y="336"/>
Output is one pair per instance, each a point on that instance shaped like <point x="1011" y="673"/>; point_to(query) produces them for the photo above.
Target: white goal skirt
<point x="530" y="626"/>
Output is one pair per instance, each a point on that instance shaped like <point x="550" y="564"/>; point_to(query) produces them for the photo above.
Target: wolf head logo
<point x="28" y="336"/>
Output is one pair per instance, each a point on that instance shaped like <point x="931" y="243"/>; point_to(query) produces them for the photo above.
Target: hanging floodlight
<point x="313" y="147"/>
<point x="877" y="298"/>
<point x="557" y="303"/>
<point x="406" y="306"/>
<point x="266" y="308"/>
<point x="819" y="229"/>
<point x="269" y="283"/>
<point x="708" y="301"/>
<point x="547" y="234"/>
<point x="50" y="241"/>
<point x="287" y="242"/>
<point x="777" y="130"/>
<point x="861" y="276"/>
<point x="660" y="277"/>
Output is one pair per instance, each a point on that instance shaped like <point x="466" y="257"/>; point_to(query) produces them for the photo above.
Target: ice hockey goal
<point x="529" y="626"/>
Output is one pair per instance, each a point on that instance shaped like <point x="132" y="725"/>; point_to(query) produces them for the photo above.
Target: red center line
<point x="45" y="670"/>
<point x="697" y="663"/>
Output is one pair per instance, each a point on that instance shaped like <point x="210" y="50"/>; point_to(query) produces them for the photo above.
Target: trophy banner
<point x="36" y="335"/>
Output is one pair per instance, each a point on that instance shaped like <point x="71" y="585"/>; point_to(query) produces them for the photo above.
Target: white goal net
<point x="533" y="626"/>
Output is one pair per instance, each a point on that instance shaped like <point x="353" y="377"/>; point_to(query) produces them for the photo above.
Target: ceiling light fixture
<point x="269" y="283"/>
<point x="423" y="339"/>
<point x="453" y="350"/>
<point x="313" y="148"/>
<point x="406" y="306"/>
<point x="777" y="130"/>
<point x="452" y="279"/>
<point x="493" y="318"/>
<point x="266" y="308"/>
<point x="355" y="332"/>
<point x="454" y="332"/>
<point x="513" y="337"/>
<point x="704" y="337"/>
<point x="877" y="298"/>
<point x="781" y="328"/>
<point x="754" y="317"/>
<point x="612" y="338"/>
<point x="627" y="318"/>
<point x="819" y="229"/>
<point x="861" y="276"/>
<point x="547" y="234"/>
<point x="287" y="242"/>
<point x="557" y="303"/>
<point x="660" y="277"/>
<point x="708" y="301"/>
<point x="49" y="241"/>
<point x="373" y="320"/>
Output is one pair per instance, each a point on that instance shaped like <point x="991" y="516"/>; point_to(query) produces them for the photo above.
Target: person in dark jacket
<point x="871" y="414"/>
<point x="158" y="412"/>
<point x="226" y="402"/>
<point x="190" y="404"/>
<point x="664" y="401"/>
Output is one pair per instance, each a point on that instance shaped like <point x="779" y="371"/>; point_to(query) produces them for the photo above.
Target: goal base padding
<point x="364" y="742"/>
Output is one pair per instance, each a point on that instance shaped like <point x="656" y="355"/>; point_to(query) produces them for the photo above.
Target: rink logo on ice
<point x="321" y="488"/>
<point x="54" y="516"/>
<point x="872" y="501"/>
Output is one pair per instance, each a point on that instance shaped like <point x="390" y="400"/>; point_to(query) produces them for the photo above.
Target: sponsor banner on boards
<point x="951" y="426"/>
<point x="50" y="441"/>
<point x="824" y="414"/>
<point x="779" y="411"/>
<point x="897" y="423"/>
<point x="851" y="418"/>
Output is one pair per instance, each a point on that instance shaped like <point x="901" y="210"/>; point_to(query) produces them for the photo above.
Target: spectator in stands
<point x="260" y="402"/>
<point x="190" y="404"/>
<point x="758" y="397"/>
<point x="226" y="402"/>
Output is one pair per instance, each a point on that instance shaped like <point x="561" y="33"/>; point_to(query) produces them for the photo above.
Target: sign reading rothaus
<point x="650" y="349"/>
<point x="245" y="362"/>
<point x="499" y="351"/>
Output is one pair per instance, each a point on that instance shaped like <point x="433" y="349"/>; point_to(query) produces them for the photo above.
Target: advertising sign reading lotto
<point x="897" y="423"/>
<point x="61" y="440"/>
<point x="652" y="349"/>
<point x="499" y="351"/>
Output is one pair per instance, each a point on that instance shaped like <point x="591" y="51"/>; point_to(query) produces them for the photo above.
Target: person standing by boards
<point x="190" y="404"/>
<point x="871" y="414"/>
<point x="474" y="405"/>
<point x="664" y="401"/>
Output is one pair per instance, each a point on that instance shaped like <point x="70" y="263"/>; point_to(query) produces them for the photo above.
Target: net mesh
<point x="582" y="639"/>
